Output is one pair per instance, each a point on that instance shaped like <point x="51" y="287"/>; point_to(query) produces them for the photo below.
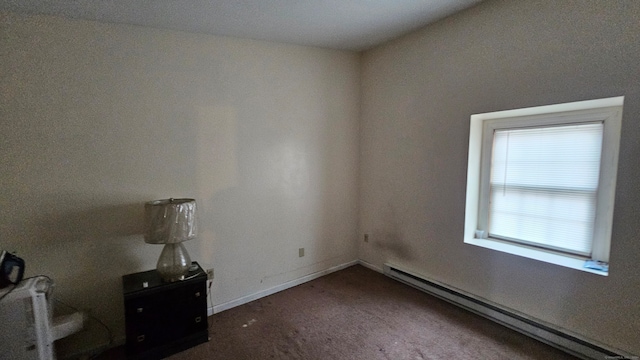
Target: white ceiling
<point x="337" y="24"/>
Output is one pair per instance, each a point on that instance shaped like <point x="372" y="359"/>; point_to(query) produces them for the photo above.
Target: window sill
<point x="573" y="262"/>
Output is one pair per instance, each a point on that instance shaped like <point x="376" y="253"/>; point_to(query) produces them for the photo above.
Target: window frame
<point x="482" y="126"/>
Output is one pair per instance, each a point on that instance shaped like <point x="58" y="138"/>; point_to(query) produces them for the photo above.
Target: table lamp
<point x="170" y="222"/>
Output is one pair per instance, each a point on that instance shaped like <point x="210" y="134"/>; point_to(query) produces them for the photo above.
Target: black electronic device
<point x="11" y="269"/>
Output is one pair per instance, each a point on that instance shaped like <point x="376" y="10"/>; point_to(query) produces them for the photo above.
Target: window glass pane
<point x="556" y="220"/>
<point x="544" y="183"/>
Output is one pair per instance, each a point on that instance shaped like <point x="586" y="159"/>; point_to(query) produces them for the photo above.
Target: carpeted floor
<point x="357" y="313"/>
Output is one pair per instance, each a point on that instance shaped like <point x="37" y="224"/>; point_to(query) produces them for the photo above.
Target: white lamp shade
<point x="170" y="221"/>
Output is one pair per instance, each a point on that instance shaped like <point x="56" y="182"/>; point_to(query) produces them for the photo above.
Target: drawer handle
<point x="198" y="319"/>
<point x="140" y="338"/>
<point x="198" y="294"/>
<point x="139" y="310"/>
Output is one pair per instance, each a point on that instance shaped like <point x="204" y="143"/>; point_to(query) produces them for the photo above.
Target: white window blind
<point x="543" y="185"/>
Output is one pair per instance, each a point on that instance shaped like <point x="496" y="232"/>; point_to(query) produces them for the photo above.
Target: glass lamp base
<point x="174" y="262"/>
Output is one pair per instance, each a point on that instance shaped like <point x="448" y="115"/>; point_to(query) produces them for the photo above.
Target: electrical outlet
<point x="366" y="238"/>
<point x="210" y="274"/>
<point x="301" y="252"/>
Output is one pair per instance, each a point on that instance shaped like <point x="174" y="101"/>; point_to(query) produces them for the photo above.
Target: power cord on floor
<point x="92" y="317"/>
<point x="209" y="295"/>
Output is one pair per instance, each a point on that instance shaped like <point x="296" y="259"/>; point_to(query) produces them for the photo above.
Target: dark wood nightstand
<point x="164" y="318"/>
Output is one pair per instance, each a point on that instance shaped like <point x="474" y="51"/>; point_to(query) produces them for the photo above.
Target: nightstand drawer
<point x="163" y="318"/>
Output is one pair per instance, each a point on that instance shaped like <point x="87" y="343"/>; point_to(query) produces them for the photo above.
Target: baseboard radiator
<point x="558" y="338"/>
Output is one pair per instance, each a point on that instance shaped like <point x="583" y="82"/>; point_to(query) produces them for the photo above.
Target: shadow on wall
<point x="390" y="239"/>
<point x="76" y="224"/>
<point x="392" y="243"/>
<point x="268" y="184"/>
<point x="93" y="224"/>
<point x="83" y="242"/>
<point x="251" y="184"/>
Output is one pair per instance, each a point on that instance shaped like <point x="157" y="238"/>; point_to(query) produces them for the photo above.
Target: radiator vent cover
<point x="537" y="329"/>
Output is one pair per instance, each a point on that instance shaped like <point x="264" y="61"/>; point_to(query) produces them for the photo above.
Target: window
<point x="541" y="182"/>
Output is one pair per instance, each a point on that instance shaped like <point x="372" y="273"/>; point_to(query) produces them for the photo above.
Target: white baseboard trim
<point x="370" y="266"/>
<point x="289" y="284"/>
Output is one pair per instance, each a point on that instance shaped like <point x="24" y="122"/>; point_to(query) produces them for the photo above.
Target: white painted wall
<point x="418" y="95"/>
<point x="96" y="119"/>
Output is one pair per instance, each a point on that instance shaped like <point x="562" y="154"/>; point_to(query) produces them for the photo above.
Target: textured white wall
<point x="418" y="95"/>
<point x="96" y="119"/>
